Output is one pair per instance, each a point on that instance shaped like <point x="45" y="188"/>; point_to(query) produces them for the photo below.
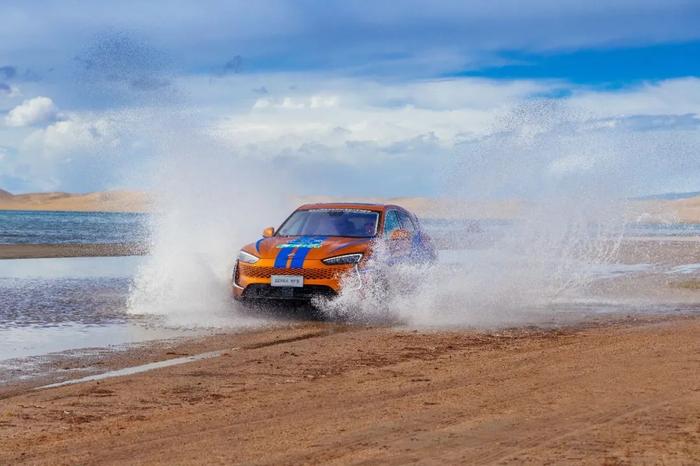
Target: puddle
<point x="29" y="341"/>
<point x="614" y="270"/>
<point x="70" y="267"/>
<point x="685" y="269"/>
<point x="54" y="305"/>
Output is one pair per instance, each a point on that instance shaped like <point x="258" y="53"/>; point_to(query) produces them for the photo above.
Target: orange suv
<point x="321" y="243"/>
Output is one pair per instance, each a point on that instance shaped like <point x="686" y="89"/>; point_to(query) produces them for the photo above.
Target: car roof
<point x="350" y="205"/>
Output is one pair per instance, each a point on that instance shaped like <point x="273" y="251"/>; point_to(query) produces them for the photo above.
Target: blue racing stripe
<point x="300" y="256"/>
<point x="282" y="256"/>
<point x="257" y="244"/>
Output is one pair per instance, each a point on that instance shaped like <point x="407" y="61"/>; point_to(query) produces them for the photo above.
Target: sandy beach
<point x="34" y="251"/>
<point x="614" y="392"/>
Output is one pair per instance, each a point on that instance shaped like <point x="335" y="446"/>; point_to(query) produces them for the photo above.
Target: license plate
<point x="295" y="281"/>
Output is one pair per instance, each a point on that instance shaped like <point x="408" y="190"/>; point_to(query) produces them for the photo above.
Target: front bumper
<point x="252" y="281"/>
<point x="305" y="293"/>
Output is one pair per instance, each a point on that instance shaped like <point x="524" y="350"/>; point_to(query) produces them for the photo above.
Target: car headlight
<point x="247" y="258"/>
<point x="344" y="259"/>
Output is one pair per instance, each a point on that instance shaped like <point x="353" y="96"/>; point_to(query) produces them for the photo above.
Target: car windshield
<point x="331" y="222"/>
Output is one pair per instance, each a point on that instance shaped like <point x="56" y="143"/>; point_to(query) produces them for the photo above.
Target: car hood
<point x="310" y="247"/>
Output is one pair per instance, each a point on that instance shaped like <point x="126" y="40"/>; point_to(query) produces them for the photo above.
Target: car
<point x="319" y="245"/>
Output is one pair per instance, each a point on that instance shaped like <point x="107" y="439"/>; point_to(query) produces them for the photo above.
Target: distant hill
<point x="107" y="201"/>
<point x="668" y="196"/>
<point x="679" y="209"/>
<point x="666" y="208"/>
<point x="443" y="208"/>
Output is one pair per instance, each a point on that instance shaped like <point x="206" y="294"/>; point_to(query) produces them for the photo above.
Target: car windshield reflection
<point x="331" y="222"/>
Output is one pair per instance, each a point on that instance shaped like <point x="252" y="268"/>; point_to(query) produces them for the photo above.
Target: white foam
<point x="685" y="269"/>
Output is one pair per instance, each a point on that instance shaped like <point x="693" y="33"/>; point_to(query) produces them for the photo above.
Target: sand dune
<point x="646" y="211"/>
<point x="671" y="211"/>
<point x="107" y="201"/>
<point x="437" y="207"/>
<point x="136" y="201"/>
<point x="685" y="210"/>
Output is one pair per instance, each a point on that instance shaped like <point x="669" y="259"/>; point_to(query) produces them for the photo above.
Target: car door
<point x="421" y="246"/>
<point x="398" y="249"/>
<point x="408" y="226"/>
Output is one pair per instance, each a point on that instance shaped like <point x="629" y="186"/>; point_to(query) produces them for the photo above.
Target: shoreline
<point x="633" y="247"/>
<point x="331" y="393"/>
<point x="42" y="251"/>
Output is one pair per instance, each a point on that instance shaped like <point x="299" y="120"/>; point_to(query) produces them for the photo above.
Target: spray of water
<point x="207" y="199"/>
<point x="568" y="226"/>
<point x="208" y="203"/>
<point x="560" y="171"/>
<point x="519" y="277"/>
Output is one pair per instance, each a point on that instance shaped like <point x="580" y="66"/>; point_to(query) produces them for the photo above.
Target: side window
<point x="391" y="223"/>
<point x="406" y="222"/>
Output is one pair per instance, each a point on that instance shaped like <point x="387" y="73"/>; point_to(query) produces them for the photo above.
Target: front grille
<point x="309" y="274"/>
<point x="307" y="292"/>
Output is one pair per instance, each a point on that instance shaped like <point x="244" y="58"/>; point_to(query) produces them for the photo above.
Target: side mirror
<point x="268" y="232"/>
<point x="400" y="234"/>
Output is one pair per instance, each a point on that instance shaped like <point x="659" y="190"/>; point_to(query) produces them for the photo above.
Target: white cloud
<point x="452" y="110"/>
<point x="507" y="140"/>
<point x="32" y="112"/>
<point x="298" y="103"/>
<point x="74" y="136"/>
<point x="262" y="103"/>
<point x="82" y="151"/>
<point x="571" y="164"/>
<point x="387" y="114"/>
<point x="510" y="141"/>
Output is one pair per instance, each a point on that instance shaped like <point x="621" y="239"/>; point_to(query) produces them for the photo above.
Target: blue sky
<point x="607" y="67"/>
<point x="355" y="87"/>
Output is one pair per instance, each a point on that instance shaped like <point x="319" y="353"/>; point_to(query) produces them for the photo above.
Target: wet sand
<point x="36" y="251"/>
<point x="608" y="391"/>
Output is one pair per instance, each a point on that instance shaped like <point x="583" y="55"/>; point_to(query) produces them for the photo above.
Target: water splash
<point x="570" y="222"/>
<point x="561" y="171"/>
<point x="209" y="203"/>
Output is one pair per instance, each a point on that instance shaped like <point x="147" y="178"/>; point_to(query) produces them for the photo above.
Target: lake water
<point x="39" y="227"/>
